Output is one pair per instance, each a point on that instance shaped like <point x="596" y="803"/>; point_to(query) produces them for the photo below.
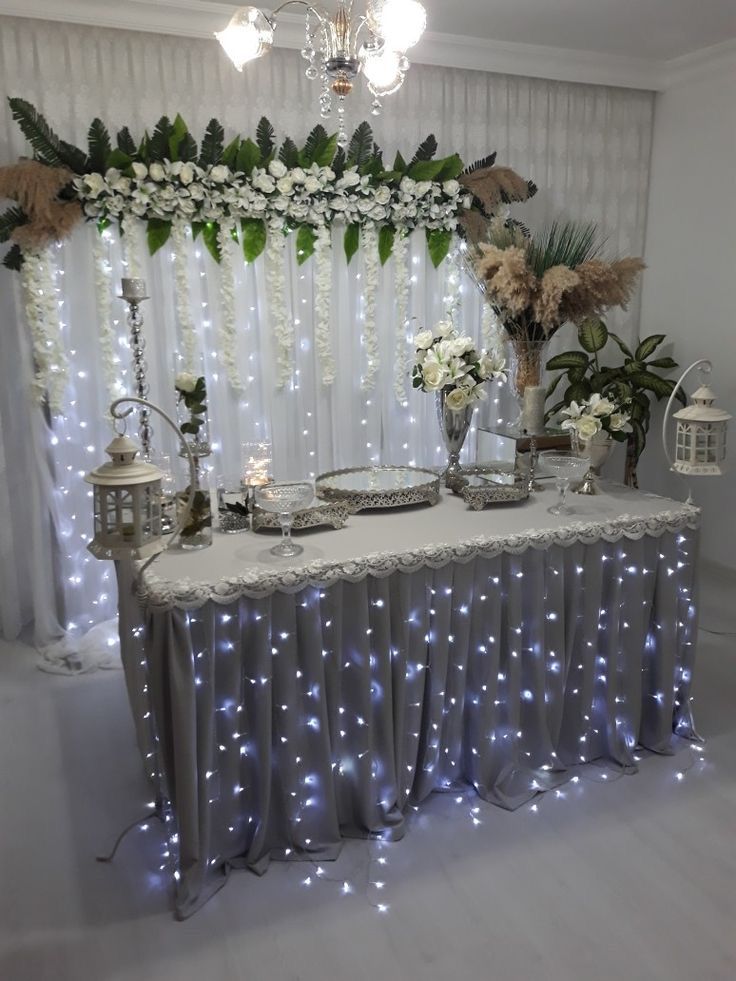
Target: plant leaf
<point x="157" y="233"/>
<point x="158" y="145"/>
<point x="399" y="164"/>
<point x="662" y="363"/>
<point x="648" y="346"/>
<point x="483" y="164"/>
<point x="439" y="241"/>
<point x="425" y="170"/>
<point x="248" y="157"/>
<point x="360" y="149"/>
<point x="210" y="237"/>
<point x="230" y="153"/>
<point x="289" y="153"/>
<point x="125" y="142"/>
<point x="305" y="239"/>
<point x="10" y="220"/>
<point x="119" y="159"/>
<point x="659" y="387"/>
<point x="187" y="148"/>
<point x="553" y="385"/>
<point x="426" y="150"/>
<point x="638" y="438"/>
<point x="569" y="359"/>
<point x="254" y="237"/>
<point x="37" y="131"/>
<point x="452" y="167"/>
<point x="177" y="136"/>
<point x="213" y="144"/>
<point x="338" y="162"/>
<point x="577" y="392"/>
<point x="100" y="147"/>
<point x="386" y="237"/>
<point x="265" y="138"/>
<point x="592" y="334"/>
<point x="626" y="351"/>
<point x="14" y="258"/>
<point x="316" y="142"/>
<point x="351" y="241"/>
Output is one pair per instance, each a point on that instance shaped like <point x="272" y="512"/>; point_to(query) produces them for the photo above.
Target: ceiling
<point x="645" y="44"/>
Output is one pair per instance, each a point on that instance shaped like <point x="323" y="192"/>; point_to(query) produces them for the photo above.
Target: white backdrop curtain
<point x="586" y="147"/>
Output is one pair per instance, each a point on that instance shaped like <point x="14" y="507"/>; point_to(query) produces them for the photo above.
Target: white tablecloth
<point x="284" y="704"/>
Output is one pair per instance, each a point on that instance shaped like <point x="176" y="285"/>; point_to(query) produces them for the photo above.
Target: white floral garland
<point x="281" y="195"/>
<point x="42" y="315"/>
<point x="401" y="292"/>
<point x="282" y="326"/>
<point x="130" y="242"/>
<point x="227" y="333"/>
<point x="323" y="296"/>
<point x="187" y="329"/>
<point x="369" y="240"/>
<point x="494" y="339"/>
<point x="106" y="332"/>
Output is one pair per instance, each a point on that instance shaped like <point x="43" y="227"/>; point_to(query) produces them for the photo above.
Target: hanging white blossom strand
<point x="227" y="334"/>
<point x="42" y="315"/>
<point x="281" y="324"/>
<point x="187" y="329"/>
<point x="453" y="299"/>
<point x="323" y="295"/>
<point x="131" y="246"/>
<point x="105" y="330"/>
<point x="494" y="340"/>
<point x="369" y="240"/>
<point x="401" y="290"/>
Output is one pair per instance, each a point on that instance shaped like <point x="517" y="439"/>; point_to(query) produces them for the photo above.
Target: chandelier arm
<point x="706" y="367"/>
<point x="322" y="15"/>
<point x="183" y="517"/>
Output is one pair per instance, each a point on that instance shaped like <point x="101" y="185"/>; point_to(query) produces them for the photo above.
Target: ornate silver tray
<point x="379" y="487"/>
<point x="486" y="484"/>
<point x="318" y="514"/>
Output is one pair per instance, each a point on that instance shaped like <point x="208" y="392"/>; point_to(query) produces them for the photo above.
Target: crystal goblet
<point x="564" y="466"/>
<point x="284" y="499"/>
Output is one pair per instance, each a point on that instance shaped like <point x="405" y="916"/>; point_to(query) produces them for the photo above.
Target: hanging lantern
<point x="127" y="504"/>
<point x="700" y="448"/>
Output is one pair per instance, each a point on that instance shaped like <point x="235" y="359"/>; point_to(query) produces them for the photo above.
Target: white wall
<point x="690" y="284"/>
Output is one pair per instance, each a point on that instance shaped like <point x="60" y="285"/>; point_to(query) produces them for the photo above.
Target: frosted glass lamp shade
<point x="400" y="23"/>
<point x="127" y="505"/>
<point x="248" y="36"/>
<point x="382" y="70"/>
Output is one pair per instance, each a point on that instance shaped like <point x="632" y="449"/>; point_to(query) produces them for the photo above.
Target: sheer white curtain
<point x="586" y="147"/>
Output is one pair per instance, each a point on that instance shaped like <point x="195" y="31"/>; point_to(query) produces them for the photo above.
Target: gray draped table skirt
<point x="277" y="726"/>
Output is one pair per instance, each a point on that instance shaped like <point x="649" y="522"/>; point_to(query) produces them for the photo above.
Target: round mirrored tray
<point x="489" y="483"/>
<point x="379" y="487"/>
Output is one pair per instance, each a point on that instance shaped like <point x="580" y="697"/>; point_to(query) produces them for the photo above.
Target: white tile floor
<point x="631" y="879"/>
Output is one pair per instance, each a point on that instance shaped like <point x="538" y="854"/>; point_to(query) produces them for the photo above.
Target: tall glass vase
<point x="192" y="416"/>
<point x="454" y="427"/>
<point x="526" y="367"/>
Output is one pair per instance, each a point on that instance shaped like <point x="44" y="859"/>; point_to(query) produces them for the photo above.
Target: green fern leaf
<point x="265" y="138"/>
<point x="213" y="144"/>
<point x="100" y="147"/>
<point x="360" y="149"/>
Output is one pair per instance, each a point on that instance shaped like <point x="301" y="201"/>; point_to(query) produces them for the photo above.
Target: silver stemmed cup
<point x="284" y="499"/>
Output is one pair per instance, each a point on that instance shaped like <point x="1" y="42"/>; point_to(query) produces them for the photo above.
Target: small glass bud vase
<point x="191" y="407"/>
<point x="232" y="506"/>
<point x="197" y="530"/>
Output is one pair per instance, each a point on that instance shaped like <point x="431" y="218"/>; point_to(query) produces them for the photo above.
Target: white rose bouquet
<point x="595" y="415"/>
<point x="445" y="359"/>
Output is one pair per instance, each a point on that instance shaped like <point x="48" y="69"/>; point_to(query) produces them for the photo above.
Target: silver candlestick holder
<point x="133" y="291"/>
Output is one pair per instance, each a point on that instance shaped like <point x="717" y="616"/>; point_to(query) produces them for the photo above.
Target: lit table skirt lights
<point x="282" y="705"/>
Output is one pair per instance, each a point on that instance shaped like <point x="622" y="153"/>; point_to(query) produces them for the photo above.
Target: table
<point x="284" y="704"/>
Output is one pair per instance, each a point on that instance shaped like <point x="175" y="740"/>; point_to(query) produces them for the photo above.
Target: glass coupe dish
<point x="284" y="499"/>
<point x="564" y="466"/>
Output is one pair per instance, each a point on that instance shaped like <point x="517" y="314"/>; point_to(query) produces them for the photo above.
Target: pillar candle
<point x="532" y="415"/>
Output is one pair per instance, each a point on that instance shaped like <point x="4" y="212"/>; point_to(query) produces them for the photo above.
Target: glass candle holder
<point x="233" y="513"/>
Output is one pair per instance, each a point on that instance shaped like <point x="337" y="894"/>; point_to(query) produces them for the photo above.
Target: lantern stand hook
<point x="122" y="414"/>
<point x="706" y="367"/>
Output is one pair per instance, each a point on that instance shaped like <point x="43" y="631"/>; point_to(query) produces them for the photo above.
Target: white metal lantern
<point x="127" y="504"/>
<point x="700" y="448"/>
<point x="127" y="496"/>
<point x="700" y="444"/>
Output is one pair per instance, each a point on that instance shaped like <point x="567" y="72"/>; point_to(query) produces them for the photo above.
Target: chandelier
<point x="337" y="46"/>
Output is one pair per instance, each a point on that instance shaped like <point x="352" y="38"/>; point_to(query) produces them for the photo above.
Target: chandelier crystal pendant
<point x="337" y="47"/>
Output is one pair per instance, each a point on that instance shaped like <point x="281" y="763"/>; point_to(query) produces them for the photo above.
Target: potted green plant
<point x="634" y="382"/>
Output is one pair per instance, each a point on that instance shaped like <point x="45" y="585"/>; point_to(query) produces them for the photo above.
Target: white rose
<point x="587" y="427"/>
<point x="264" y="182"/>
<point x="327" y="174"/>
<point x="112" y="174"/>
<point x="457" y="399"/>
<point x="377" y="213"/>
<point x="338" y="204"/>
<point x="95" y="184"/>
<point x="349" y="179"/>
<point x="298" y="175"/>
<point x="422" y="188"/>
<point x="443" y="329"/>
<point x="407" y="185"/>
<point x="460" y="345"/>
<point x="157" y="171"/>
<point x="285" y="185"/>
<point x="618" y="421"/>
<point x="196" y="192"/>
<point x="277" y="169"/>
<point x="122" y="185"/>
<point x="451" y="188"/>
<point x="185" y="381"/>
<point x="220" y="173"/>
<point x="312" y="185"/>
<point x="186" y="206"/>
<point x="140" y="170"/>
<point x="423" y="340"/>
<point x="434" y="376"/>
<point x="383" y="195"/>
<point x="186" y="174"/>
<point x="489" y="366"/>
<point x="365" y="205"/>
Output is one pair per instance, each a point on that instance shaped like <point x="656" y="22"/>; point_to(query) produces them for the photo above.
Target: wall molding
<point x="701" y="64"/>
<point x="200" y="18"/>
